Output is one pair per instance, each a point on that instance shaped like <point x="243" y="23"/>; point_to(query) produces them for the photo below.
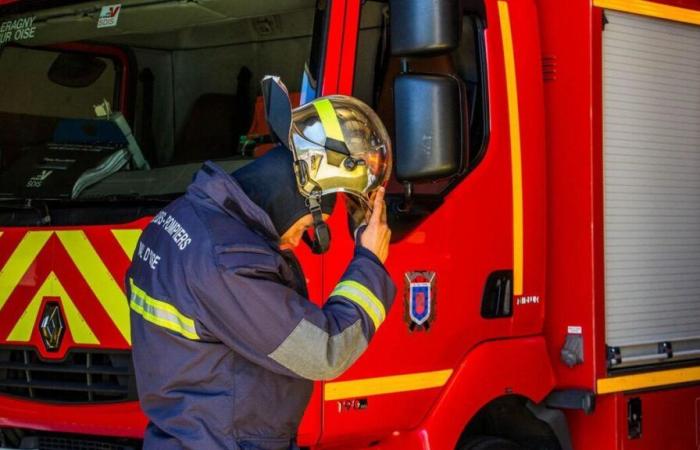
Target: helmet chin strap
<point x="322" y="234"/>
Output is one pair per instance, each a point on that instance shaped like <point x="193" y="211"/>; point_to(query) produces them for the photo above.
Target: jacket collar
<point x="213" y="182"/>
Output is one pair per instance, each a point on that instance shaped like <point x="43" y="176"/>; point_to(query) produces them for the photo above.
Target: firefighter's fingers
<point x="378" y="213"/>
<point x="377" y="234"/>
<point x="369" y="208"/>
<point x="384" y="247"/>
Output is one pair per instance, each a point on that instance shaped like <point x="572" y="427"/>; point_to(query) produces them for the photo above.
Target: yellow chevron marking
<point x="93" y="270"/>
<point x="78" y="327"/>
<point x="22" y="330"/>
<point x="20" y="260"/>
<point x="385" y="385"/>
<point x="127" y="239"/>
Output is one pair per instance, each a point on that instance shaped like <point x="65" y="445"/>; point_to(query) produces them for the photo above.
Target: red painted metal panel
<point x="349" y="47"/>
<point x="334" y="47"/>
<point x="53" y="258"/>
<point x="492" y="370"/>
<point x="669" y="420"/>
<point x="498" y="362"/>
<point x="572" y="53"/>
<point x="463" y="241"/>
<point x="599" y="430"/>
<point x="396" y="410"/>
<point x="689" y="4"/>
<point x="341" y="45"/>
<point x="116" y="419"/>
<point x="572" y="286"/>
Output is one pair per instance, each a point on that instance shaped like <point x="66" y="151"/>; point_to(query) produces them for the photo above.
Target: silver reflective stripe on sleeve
<point x="161" y="313"/>
<point x="311" y="353"/>
<point x="364" y="298"/>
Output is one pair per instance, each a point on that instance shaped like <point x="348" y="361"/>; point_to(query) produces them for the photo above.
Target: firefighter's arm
<point x="248" y="309"/>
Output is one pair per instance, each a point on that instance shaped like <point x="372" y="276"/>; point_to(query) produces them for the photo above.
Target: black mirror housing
<point x="430" y="127"/>
<point x="424" y="27"/>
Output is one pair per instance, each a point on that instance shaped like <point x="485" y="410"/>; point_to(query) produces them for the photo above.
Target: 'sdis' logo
<point x="109" y="16"/>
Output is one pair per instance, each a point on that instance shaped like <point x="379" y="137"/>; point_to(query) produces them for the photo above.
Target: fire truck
<point x="544" y="202"/>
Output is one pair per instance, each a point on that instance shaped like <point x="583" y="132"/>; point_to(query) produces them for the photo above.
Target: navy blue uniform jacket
<point x="225" y="341"/>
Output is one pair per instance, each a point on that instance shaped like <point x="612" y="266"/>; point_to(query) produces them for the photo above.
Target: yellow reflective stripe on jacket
<point x="364" y="298"/>
<point x="161" y="313"/>
<point x="329" y="120"/>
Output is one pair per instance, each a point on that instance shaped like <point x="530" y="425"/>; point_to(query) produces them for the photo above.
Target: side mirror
<point x="430" y="127"/>
<point x="424" y="27"/>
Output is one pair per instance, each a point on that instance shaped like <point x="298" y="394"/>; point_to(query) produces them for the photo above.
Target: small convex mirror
<point x="424" y="27"/>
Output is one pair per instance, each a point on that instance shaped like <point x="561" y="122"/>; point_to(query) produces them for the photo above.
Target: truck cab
<point x="542" y="204"/>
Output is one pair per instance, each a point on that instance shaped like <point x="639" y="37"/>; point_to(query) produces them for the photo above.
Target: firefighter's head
<point x="270" y="183"/>
<point x="339" y="145"/>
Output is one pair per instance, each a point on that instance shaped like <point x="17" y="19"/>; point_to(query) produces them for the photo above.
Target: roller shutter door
<point x="651" y="138"/>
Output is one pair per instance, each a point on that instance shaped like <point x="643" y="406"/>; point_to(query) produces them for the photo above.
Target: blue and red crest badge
<point x="419" y="299"/>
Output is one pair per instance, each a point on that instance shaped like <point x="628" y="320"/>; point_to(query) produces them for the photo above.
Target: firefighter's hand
<point x="376" y="236"/>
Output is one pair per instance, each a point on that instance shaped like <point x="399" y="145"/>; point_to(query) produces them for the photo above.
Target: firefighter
<point x="225" y="341"/>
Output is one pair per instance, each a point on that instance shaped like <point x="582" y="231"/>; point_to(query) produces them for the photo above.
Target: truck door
<point x="457" y="245"/>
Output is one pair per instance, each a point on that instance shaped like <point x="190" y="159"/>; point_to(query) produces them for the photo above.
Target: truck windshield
<point x="191" y="90"/>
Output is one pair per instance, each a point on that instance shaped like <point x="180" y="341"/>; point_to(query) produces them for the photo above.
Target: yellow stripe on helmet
<point x="331" y="125"/>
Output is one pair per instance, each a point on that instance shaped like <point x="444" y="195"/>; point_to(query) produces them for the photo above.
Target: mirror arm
<point x="407" y="197"/>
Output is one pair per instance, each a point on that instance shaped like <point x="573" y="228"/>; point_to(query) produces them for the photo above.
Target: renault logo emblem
<point x="51" y="326"/>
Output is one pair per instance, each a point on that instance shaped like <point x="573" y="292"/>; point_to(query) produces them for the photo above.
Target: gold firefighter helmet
<point x="339" y="145"/>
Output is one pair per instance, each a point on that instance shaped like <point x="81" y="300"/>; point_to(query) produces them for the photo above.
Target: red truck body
<point x="534" y="204"/>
